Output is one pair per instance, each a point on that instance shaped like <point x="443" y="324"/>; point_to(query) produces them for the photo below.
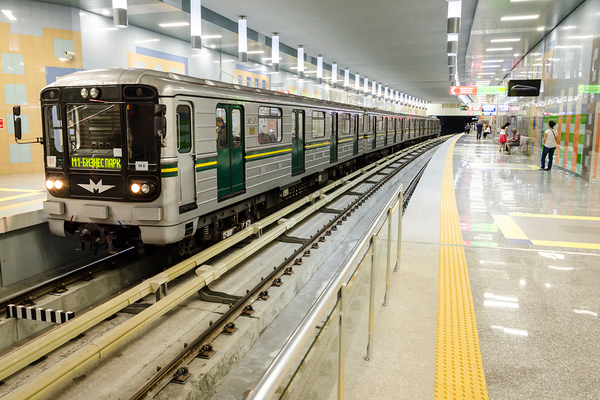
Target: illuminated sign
<point x="488" y="108"/>
<point x="1" y="123"/>
<point x="491" y="90"/>
<point x="474" y="108"/>
<point x="513" y="108"/>
<point x="583" y="89"/>
<point x="463" y="90"/>
<point x="96" y="163"/>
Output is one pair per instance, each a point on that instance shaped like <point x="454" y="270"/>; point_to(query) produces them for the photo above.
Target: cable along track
<point x="55" y="376"/>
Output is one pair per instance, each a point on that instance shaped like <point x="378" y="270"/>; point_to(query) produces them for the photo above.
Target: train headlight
<point x="50" y="184"/>
<point x="135" y="188"/>
<point x="55" y="185"/>
<point x="145" y="188"/>
<point x="84" y="93"/>
<point x="58" y="184"/>
<point x="95" y="93"/>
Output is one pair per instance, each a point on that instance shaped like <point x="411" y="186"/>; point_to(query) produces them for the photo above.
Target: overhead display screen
<point x="524" y="87"/>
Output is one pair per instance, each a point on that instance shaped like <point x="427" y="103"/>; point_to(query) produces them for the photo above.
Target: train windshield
<point x="53" y="129"/>
<point x="142" y="140"/>
<point x="95" y="136"/>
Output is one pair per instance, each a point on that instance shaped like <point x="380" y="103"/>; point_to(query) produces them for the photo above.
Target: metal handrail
<point x="284" y="360"/>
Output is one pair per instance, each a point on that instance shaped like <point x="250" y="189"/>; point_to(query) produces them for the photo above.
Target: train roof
<point x="169" y="84"/>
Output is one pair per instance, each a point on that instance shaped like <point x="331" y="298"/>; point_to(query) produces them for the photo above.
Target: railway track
<point x="55" y="376"/>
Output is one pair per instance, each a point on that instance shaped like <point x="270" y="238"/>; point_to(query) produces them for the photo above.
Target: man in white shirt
<point x="549" y="142"/>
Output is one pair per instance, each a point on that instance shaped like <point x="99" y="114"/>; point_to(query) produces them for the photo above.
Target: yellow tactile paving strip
<point x="458" y="366"/>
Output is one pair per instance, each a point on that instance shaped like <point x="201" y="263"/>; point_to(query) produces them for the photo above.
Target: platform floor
<point x="515" y="312"/>
<point x="21" y="193"/>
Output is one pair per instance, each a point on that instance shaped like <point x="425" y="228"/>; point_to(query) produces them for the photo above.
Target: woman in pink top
<point x="502" y="140"/>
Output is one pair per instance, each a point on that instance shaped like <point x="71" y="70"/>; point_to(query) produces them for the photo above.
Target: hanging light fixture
<point x="374" y="89"/>
<point x="319" y="69"/>
<point x="275" y="52"/>
<point x="454" y="14"/>
<point x="346" y="79"/>
<point x="300" y="62"/>
<point x="242" y="39"/>
<point x="366" y="86"/>
<point x="379" y="90"/>
<point x="334" y="75"/>
<point x="357" y="83"/>
<point x="120" y="13"/>
<point x="196" y="23"/>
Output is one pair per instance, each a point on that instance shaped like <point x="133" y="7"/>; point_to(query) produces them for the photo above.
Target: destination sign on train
<point x="99" y="163"/>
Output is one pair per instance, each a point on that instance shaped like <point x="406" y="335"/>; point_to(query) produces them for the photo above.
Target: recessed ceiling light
<point x="581" y="37"/>
<point x="541" y="28"/>
<point x="490" y="66"/>
<point x="9" y="15"/>
<point x="505" y="40"/>
<point x="256" y="52"/>
<point x="486" y="73"/>
<point x="492" y="61"/>
<point x="499" y="49"/>
<point x="213" y="46"/>
<point x="211" y="36"/>
<point x="147" y="41"/>
<point x="173" y="24"/>
<point x="516" y="54"/>
<point x="569" y="27"/>
<point x="520" y="17"/>
<point x="105" y="12"/>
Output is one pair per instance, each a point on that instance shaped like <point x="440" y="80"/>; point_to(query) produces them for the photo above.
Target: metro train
<point x="147" y="157"/>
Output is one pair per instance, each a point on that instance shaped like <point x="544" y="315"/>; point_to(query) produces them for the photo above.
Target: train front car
<point x="102" y="159"/>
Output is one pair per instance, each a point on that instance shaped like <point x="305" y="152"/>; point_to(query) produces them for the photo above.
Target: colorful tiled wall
<point x="25" y="61"/>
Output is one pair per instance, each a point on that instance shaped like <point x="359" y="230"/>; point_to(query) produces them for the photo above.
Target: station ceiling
<point x="399" y="43"/>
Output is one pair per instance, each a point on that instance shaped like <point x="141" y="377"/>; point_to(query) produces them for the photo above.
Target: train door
<point x="386" y="121"/>
<point x="231" y="170"/>
<point x="298" y="133"/>
<point x="355" y="131"/>
<point x="374" y="131"/>
<point x="187" y="163"/>
<point x="333" y="148"/>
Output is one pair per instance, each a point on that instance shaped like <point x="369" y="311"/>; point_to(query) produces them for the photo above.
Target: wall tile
<point x="19" y="153"/>
<point x="12" y="64"/>
<point x="62" y="45"/>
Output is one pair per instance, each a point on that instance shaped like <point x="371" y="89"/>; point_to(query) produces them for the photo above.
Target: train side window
<point x="361" y="122"/>
<point x="236" y="127"/>
<point x="318" y="124"/>
<point x="184" y="129"/>
<point x="53" y="129"/>
<point x="221" y="130"/>
<point x="345" y="124"/>
<point x="270" y="125"/>
<point x="380" y="127"/>
<point x="370" y="124"/>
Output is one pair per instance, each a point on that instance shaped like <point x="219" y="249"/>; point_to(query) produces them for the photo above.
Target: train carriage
<point x="144" y="156"/>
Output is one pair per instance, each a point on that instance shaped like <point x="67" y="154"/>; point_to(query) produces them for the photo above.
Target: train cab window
<point x="318" y="124"/>
<point x="345" y="128"/>
<point x="221" y="128"/>
<point x="270" y="125"/>
<point x="95" y="132"/>
<point x="184" y="129"/>
<point x="53" y="131"/>
<point x="142" y="140"/>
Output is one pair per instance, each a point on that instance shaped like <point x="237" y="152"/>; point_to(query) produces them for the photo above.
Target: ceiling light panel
<point x="174" y="24"/>
<point x="499" y="49"/>
<point x="505" y="40"/>
<point x="519" y="17"/>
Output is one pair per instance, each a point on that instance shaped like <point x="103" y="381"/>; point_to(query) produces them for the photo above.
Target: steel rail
<point x="159" y="380"/>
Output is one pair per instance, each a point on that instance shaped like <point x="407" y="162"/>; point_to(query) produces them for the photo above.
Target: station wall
<point x="32" y="56"/>
<point x="567" y="62"/>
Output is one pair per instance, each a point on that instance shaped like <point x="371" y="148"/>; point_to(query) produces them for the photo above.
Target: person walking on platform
<point x="486" y="130"/>
<point x="549" y="143"/>
<point x="479" y="127"/>
<point x="502" y="139"/>
<point x="467" y="129"/>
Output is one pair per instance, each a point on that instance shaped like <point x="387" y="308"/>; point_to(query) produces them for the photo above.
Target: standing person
<point x="467" y="129"/>
<point x="479" y="127"/>
<point x="502" y="139"/>
<point x="549" y="143"/>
